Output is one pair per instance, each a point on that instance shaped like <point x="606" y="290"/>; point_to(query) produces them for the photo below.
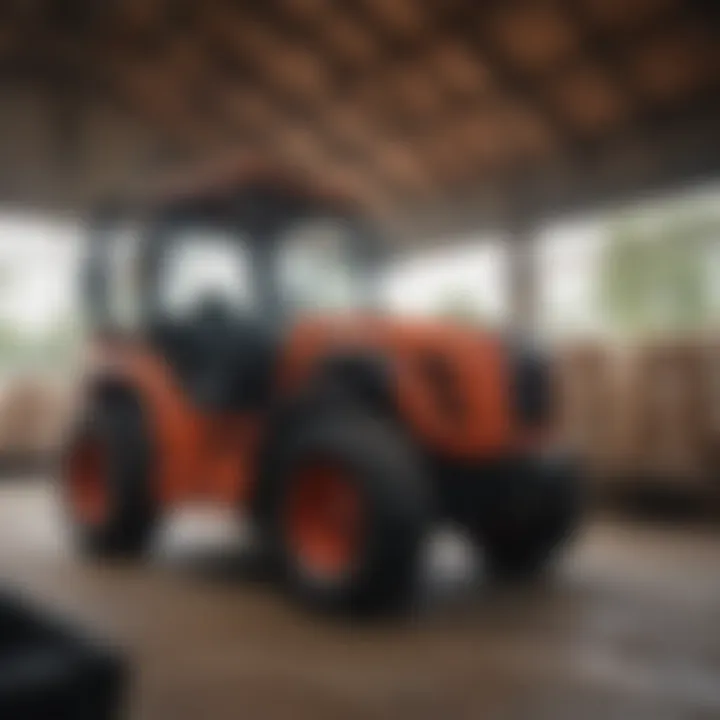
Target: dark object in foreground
<point x="49" y="670"/>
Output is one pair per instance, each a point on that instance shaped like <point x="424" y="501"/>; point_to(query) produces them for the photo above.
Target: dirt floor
<point x="629" y="627"/>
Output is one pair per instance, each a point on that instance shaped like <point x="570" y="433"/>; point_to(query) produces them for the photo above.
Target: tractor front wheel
<point x="350" y="511"/>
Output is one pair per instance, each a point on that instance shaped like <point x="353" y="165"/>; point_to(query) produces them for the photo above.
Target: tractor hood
<point x="466" y="391"/>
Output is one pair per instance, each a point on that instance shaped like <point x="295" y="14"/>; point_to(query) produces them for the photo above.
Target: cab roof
<point x="236" y="189"/>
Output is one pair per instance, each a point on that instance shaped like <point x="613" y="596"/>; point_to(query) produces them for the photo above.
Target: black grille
<point x="443" y="381"/>
<point x="531" y="385"/>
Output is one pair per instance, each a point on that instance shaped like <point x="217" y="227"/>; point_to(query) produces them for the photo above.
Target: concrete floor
<point x="629" y="627"/>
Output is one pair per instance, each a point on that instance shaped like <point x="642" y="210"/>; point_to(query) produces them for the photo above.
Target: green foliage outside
<point x="53" y="349"/>
<point x="460" y="306"/>
<point x="662" y="273"/>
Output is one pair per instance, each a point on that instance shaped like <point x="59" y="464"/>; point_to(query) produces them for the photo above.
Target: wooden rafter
<point x="409" y="102"/>
<point x="291" y="103"/>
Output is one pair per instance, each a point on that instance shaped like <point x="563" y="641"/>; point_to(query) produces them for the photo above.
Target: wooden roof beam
<point x="675" y="149"/>
<point x="290" y="103"/>
<point x="603" y="48"/>
<point x="396" y="45"/>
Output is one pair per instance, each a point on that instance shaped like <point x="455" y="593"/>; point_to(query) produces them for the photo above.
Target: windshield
<point x="202" y="264"/>
<point x="319" y="269"/>
<point x="173" y="275"/>
<point x="177" y="269"/>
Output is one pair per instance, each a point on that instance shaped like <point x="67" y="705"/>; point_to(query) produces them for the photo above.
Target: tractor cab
<point x="341" y="437"/>
<point x="212" y="281"/>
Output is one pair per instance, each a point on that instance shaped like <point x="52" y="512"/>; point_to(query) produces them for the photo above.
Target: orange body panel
<point x="476" y="360"/>
<point x="210" y="457"/>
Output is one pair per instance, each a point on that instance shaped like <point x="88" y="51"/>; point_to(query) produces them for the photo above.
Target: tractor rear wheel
<point x="106" y="480"/>
<point x="350" y="511"/>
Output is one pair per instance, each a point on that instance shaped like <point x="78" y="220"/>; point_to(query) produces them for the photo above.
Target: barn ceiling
<point x="439" y="115"/>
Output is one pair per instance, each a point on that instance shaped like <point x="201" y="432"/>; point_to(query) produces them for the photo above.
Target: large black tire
<point x="116" y="425"/>
<point x="396" y="504"/>
<point x="536" y="523"/>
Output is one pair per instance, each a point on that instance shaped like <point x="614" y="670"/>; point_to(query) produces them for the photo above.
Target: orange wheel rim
<point x="87" y="478"/>
<point x="324" y="520"/>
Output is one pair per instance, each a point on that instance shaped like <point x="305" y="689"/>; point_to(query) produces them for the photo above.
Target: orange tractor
<point x="237" y="358"/>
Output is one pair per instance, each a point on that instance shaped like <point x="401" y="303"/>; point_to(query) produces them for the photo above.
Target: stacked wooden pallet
<point x="648" y="413"/>
<point x="34" y="414"/>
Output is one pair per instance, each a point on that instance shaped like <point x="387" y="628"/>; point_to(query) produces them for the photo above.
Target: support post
<point x="522" y="279"/>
